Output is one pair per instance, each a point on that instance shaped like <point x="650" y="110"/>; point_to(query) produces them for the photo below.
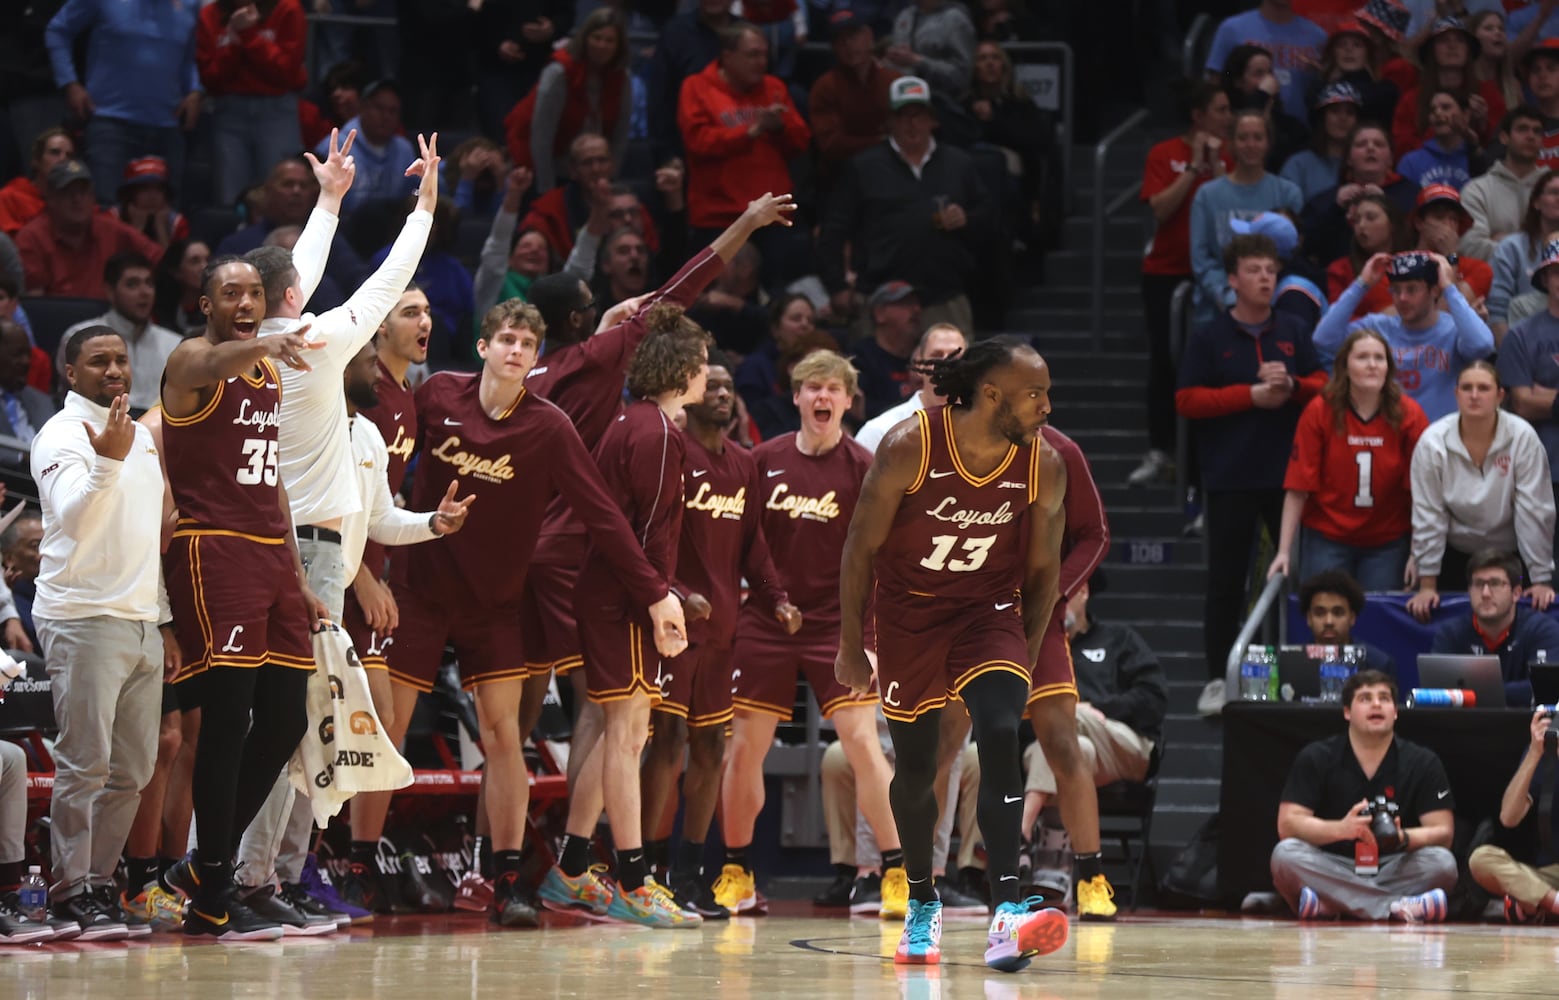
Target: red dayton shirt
<point x="56" y="267"/>
<point x="265" y="60"/>
<point x="726" y="167"/>
<point x="1171" y="250"/>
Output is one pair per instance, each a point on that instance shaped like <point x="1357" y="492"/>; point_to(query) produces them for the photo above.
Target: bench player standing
<point x="241" y="605"/>
<point x="810" y="482"/>
<point x="514" y="452"/>
<point x="961" y="519"/>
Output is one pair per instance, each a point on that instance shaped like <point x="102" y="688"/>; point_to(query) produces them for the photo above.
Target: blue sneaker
<point x="921" y="942"/>
<point x="1426" y="908"/>
<point x="1019" y="931"/>
<point x="316" y="883"/>
<point x="1310" y="907"/>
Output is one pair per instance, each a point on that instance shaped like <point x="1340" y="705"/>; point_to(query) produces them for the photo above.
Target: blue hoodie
<point x="1431" y="164"/>
<point x="140" y="56"/>
<point x="1428" y="361"/>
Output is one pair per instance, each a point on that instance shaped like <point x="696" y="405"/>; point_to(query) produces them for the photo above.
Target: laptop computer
<point x="1478" y="674"/>
<point x="1299" y="670"/>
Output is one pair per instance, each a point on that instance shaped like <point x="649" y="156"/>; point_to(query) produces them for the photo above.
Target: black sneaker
<point x="17" y="928"/>
<point x="295" y="896"/>
<point x="837" y="895"/>
<point x="108" y="902"/>
<point x="234" y="922"/>
<point x="267" y="905"/>
<point x="694" y="896"/>
<point x="510" y="907"/>
<point x="956" y="903"/>
<point x="363" y="886"/>
<point x="181" y="879"/>
<point x="96" y="923"/>
<point x="866" y="896"/>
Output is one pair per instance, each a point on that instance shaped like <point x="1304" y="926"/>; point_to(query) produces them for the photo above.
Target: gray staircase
<point x="1098" y="396"/>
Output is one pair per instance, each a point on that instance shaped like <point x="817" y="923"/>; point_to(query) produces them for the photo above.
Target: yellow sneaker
<point x="736" y="889"/>
<point x="1095" y="899"/>
<point x="895" y="894"/>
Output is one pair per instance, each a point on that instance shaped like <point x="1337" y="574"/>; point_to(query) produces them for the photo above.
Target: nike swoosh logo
<point x="1009" y="878"/>
<point x="940" y="475"/>
<point x="1003" y="607"/>
<point x="451" y="423"/>
<point x="398" y="416"/>
<point x="1443" y="794"/>
<point x="1010" y="799"/>
<point x="776" y="472"/>
<point x="213" y="920"/>
<point x="700" y="472"/>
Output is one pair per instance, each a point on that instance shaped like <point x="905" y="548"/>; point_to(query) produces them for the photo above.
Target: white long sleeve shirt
<point x="102" y="521"/>
<point x="315" y="451"/>
<point x="379" y="518"/>
<point x="1507" y="504"/>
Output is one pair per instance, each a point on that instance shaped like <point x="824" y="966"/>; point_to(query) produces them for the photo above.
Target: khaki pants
<point x="1113" y="750"/>
<point x="1501" y="874"/>
<point x="850" y="840"/>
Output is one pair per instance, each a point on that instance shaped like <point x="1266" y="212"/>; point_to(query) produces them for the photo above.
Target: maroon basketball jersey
<point x="396" y="418"/>
<point x="222" y="460"/>
<point x="807" y="503"/>
<point x="957" y="535"/>
<point x="722" y="538"/>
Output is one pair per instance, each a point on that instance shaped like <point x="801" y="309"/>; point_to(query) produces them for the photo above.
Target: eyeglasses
<point x="1495" y="584"/>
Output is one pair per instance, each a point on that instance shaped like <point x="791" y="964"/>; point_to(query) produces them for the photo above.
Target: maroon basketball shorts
<point x="1053" y="674"/>
<point x="769" y="660"/>
<point x="620" y="659"/>
<point x="487" y="641"/>
<point x="236" y="602"/>
<point x="547" y="617"/>
<point x="372" y="648"/>
<point x="697" y="684"/>
<point x="929" y="649"/>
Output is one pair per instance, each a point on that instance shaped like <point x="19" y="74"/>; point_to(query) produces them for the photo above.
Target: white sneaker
<point x="1196" y="527"/>
<point x="1212" y="699"/>
<point x="1156" y="466"/>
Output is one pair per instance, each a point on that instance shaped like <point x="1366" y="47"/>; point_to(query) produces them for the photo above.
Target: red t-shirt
<point x="1171" y="250"/>
<point x="1358" y="481"/>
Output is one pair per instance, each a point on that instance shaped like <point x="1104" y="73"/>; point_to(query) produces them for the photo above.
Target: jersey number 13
<point x="971" y="554"/>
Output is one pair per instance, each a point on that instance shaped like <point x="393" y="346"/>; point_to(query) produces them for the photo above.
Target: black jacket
<point x="1120" y="676"/>
<point x="885" y="213"/>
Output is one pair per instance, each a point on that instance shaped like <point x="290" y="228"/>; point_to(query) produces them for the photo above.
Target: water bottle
<point x="1274" y="683"/>
<point x="1441" y="698"/>
<point x="1253" y="675"/>
<point x="33" y="897"/>
<point x="1334" y="673"/>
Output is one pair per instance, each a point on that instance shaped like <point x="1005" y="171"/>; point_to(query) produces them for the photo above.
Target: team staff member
<point x="967" y="575"/>
<point x="98" y="609"/>
<point x="515" y="452"/>
<point x="244" y="635"/>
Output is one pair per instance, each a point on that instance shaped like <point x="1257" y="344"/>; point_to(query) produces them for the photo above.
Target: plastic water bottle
<point x="33" y="896"/>
<point x="1253" y="674"/>
<point x="1334" y="673"/>
<point x="1274" y="683"/>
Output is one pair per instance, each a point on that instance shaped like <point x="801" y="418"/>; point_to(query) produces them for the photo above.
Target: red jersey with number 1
<point x="1358" y="480"/>
<point x="957" y="535"/>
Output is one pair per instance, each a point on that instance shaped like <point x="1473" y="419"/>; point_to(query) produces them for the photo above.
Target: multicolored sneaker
<point x="921" y="942"/>
<point x="1426" y="908"/>
<point x="591" y="892"/>
<point x="895" y="894"/>
<point x="652" y="905"/>
<point x="1096" y="899"/>
<point x="157" y="906"/>
<point x="736" y="889"/>
<point x="473" y="893"/>
<point x="1019" y="931"/>
<point x="1311" y="907"/>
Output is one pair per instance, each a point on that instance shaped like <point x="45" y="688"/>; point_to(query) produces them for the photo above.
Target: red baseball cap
<point x="145" y="170"/>
<point x="1443" y="193"/>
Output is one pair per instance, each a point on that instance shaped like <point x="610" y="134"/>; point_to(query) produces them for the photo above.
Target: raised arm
<point x="1047" y="528"/>
<point x="335" y="175"/>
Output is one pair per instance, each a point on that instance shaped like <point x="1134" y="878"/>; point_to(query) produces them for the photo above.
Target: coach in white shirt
<point x="941" y="340"/>
<point x="98" y="609"/>
<point x="315" y="452"/>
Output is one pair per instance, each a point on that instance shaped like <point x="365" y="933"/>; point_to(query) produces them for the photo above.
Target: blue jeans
<point x="113" y="142"/>
<point x="1376" y="569"/>
<point x="252" y="134"/>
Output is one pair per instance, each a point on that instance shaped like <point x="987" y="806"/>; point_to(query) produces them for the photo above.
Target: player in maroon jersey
<point x="241" y="603"/>
<point x="514" y="452"/>
<point x="810" y="481"/>
<point x="960" y="516"/>
<point x="722" y="543"/>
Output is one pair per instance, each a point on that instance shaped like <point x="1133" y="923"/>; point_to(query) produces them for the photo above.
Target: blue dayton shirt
<point x="1529" y="356"/>
<point x="140" y="56"/>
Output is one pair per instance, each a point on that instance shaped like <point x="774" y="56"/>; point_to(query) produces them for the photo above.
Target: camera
<point x="1383" y="823"/>
<point x="1551" y="735"/>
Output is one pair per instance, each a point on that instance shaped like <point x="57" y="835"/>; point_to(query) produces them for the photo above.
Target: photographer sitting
<point x="1321" y="866"/>
<point x="1498" y="625"/>
<point x="1531" y="891"/>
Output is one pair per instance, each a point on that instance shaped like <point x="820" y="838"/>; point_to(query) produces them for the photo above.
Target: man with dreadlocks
<point x="961" y="519"/>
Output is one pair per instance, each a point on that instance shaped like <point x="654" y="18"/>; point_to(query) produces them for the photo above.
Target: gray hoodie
<point x="1498" y="203"/>
<point x="1507" y="504"/>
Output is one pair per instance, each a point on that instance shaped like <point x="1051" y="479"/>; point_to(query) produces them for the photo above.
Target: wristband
<point x="433" y="524"/>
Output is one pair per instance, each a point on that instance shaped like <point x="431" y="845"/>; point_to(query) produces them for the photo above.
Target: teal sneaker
<point x="566" y="893"/>
<point x="921" y="942"/>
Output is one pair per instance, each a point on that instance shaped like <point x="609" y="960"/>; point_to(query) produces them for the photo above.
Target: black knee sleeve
<point x="995" y="704"/>
<point x="912" y="792"/>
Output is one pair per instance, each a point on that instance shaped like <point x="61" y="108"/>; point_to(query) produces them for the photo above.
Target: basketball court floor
<point x="794" y="955"/>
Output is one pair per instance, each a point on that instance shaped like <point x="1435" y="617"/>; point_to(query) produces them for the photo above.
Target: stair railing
<point x="1102" y="209"/>
<point x="1193" y="43"/>
<point x="1258" y="618"/>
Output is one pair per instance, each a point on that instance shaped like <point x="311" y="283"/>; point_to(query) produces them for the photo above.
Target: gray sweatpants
<point x="277" y="843"/>
<point x="1296" y="864"/>
<point x="107" y="679"/>
<point x="13" y="803"/>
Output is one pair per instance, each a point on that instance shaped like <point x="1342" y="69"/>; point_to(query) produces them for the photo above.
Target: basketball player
<point x="810" y="483"/>
<point x="960" y="517"/>
<point x="722" y="543"/>
<point x="241" y="604"/>
<point x="514" y="452"/>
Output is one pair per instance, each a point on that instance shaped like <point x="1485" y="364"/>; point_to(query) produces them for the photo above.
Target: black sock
<point x="10" y="876"/>
<point x="844" y="873"/>
<point x="482" y="851"/>
<point x="738" y="856"/>
<point x="690" y="859"/>
<point x="575" y="859"/>
<point x="214" y="879"/>
<point x="141" y="872"/>
<point x="657" y="854"/>
<point x="923" y="891"/>
<point x="892" y="859"/>
<point x="1087" y="866"/>
<point x="632" y="868"/>
<point x="365" y="853"/>
<point x="505" y="862"/>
